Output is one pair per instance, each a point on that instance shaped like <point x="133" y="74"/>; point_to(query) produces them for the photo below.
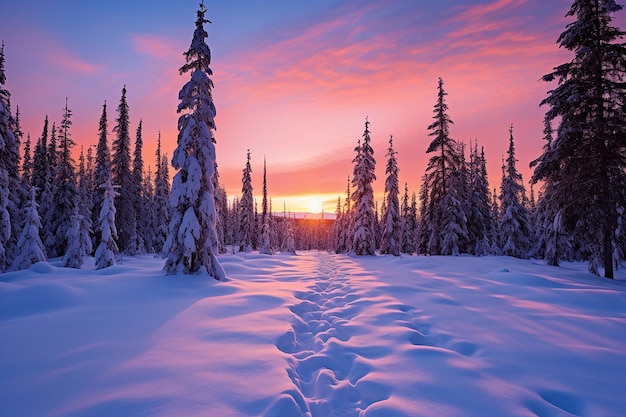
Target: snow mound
<point x="37" y="298"/>
<point x="41" y="268"/>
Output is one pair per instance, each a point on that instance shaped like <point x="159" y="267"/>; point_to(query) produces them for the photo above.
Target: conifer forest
<point x="59" y="201"/>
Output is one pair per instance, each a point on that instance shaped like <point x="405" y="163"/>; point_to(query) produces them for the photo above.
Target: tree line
<point x="50" y="206"/>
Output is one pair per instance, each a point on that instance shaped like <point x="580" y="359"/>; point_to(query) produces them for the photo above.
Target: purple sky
<point x="294" y="81"/>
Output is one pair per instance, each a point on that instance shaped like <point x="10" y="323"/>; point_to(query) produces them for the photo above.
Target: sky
<point x="294" y="80"/>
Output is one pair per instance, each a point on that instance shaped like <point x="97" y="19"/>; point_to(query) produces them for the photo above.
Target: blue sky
<point x="294" y="81"/>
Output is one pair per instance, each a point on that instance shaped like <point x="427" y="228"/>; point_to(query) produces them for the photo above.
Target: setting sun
<point x="315" y="205"/>
<point x="312" y="203"/>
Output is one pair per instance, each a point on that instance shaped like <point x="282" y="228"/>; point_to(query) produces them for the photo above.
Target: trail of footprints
<point x="330" y="373"/>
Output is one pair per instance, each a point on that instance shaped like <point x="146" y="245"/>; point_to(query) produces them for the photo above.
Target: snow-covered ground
<point x="314" y="334"/>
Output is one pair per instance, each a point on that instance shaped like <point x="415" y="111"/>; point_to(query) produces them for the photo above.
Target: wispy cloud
<point x="484" y="11"/>
<point x="68" y="60"/>
<point x="155" y="46"/>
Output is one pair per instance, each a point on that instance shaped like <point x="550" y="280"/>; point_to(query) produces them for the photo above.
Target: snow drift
<point x="314" y="334"/>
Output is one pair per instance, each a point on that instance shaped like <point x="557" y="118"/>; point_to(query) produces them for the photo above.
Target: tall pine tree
<point x="442" y="205"/>
<point x="585" y="162"/>
<point x="47" y="208"/>
<point x="364" y="235"/>
<point x="391" y="242"/>
<point x="17" y="194"/>
<point x="553" y="243"/>
<point x="102" y="172"/>
<point x="162" y="210"/>
<point x="515" y="225"/>
<point x="85" y="192"/>
<point x="246" y="210"/>
<point x="122" y="177"/>
<point x="41" y="168"/>
<point x="27" y="169"/>
<point x="409" y="223"/>
<point x="138" y="237"/>
<point x="480" y="224"/>
<point x="65" y="190"/>
<point x="266" y="244"/>
<point x="193" y="238"/>
<point x="7" y="139"/>
<point x="148" y="221"/>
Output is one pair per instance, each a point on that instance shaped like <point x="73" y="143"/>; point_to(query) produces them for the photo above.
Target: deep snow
<point x="314" y="334"/>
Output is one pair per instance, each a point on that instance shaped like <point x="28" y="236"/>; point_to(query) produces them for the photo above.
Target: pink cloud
<point x="65" y="60"/>
<point x="480" y="11"/>
<point x="156" y="46"/>
<point x="58" y="55"/>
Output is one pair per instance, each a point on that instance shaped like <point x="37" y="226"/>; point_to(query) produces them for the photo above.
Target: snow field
<point x="314" y="334"/>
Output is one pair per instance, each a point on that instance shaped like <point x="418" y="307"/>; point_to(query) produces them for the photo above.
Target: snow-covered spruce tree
<point x="53" y="152"/>
<point x="27" y="169"/>
<point x="221" y="198"/>
<point x="422" y="234"/>
<point x="234" y="223"/>
<point x="408" y="236"/>
<point x="413" y="220"/>
<point x="363" y="238"/>
<point x="17" y="194"/>
<point x="5" y="220"/>
<point x="256" y="233"/>
<point x="122" y="177"/>
<point x="531" y="203"/>
<point x="137" y="241"/>
<point x="47" y="209"/>
<point x="273" y="227"/>
<point x="587" y="159"/>
<point x="246" y="210"/>
<point x="486" y="195"/>
<point x="10" y="204"/>
<point x="442" y="166"/>
<point x="41" y="169"/>
<point x="65" y="190"/>
<point x="454" y="234"/>
<point x="290" y="243"/>
<point x="79" y="241"/>
<point x="515" y="225"/>
<point x="7" y="136"/>
<point x="551" y="243"/>
<point x="335" y="231"/>
<point x="31" y="247"/>
<point x="102" y="172"/>
<point x="148" y="220"/>
<point x="495" y="217"/>
<point x="85" y="196"/>
<point x="391" y="242"/>
<point x="221" y="208"/>
<point x="378" y="217"/>
<point x="454" y="239"/>
<point x="266" y="244"/>
<point x="479" y="222"/>
<point x="192" y="242"/>
<point x="107" y="248"/>
<point x="344" y="224"/>
<point x="162" y="212"/>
